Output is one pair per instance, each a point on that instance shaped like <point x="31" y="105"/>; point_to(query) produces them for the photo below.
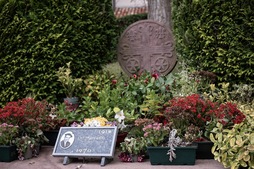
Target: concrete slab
<point x="46" y="161"/>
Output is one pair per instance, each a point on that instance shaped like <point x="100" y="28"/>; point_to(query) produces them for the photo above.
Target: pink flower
<point x="135" y="76"/>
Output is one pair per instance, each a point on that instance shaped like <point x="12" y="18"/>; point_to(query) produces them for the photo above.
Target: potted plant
<point x="70" y="84"/>
<point x="64" y="113"/>
<point x="234" y="145"/>
<point x="193" y="110"/>
<point x="165" y="145"/>
<point x="26" y="147"/>
<point x="29" y="115"/>
<point x="33" y="119"/>
<point x="133" y="145"/>
<point x="132" y="149"/>
<point x="203" y="113"/>
<point x="54" y="121"/>
<point x="8" y="133"/>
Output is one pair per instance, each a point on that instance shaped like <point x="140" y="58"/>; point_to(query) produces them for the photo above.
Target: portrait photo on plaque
<point x="67" y="140"/>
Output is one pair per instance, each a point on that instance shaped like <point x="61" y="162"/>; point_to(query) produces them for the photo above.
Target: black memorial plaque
<point x="146" y="45"/>
<point x="86" y="142"/>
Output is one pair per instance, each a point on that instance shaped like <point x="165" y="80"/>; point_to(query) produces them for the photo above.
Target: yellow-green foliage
<point x="216" y="36"/>
<point x="38" y="37"/>
<point x="235" y="147"/>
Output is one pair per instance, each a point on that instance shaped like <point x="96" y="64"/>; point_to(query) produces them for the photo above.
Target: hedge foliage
<point x="217" y="36"/>
<point x="38" y="37"/>
<point x="126" y="21"/>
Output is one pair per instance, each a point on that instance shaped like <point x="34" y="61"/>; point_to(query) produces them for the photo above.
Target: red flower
<point x="228" y="114"/>
<point x="23" y="111"/>
<point x="114" y="81"/>
<point x="193" y="109"/>
<point x="155" y="75"/>
<point x="199" y="116"/>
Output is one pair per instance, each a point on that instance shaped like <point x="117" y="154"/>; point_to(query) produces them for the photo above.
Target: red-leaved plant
<point x="30" y="116"/>
<point x="189" y="110"/>
<point x="27" y="113"/>
<point x="203" y="113"/>
<point x="227" y="114"/>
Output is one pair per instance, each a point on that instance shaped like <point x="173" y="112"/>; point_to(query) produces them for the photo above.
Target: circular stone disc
<point x="146" y="45"/>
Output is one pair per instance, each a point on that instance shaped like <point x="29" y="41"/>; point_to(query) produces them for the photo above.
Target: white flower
<point x="53" y="116"/>
<point x="121" y="125"/>
<point x="96" y="123"/>
<point x="119" y="116"/>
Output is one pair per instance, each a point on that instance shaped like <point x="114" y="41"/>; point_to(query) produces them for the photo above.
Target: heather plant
<point x="155" y="133"/>
<point x="24" y="111"/>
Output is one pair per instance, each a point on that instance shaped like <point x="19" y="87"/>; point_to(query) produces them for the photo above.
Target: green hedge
<point x="217" y="36"/>
<point x="38" y="37"/>
<point x="124" y="22"/>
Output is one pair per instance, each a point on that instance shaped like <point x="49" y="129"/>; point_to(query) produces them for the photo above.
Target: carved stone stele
<point x="147" y="45"/>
